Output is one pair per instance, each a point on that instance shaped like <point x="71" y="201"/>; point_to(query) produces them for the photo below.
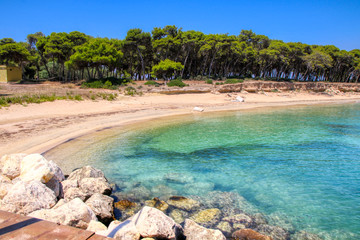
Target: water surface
<point x="299" y="166"/>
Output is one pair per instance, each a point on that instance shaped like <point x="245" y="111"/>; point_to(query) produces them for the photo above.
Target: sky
<point x="318" y="22"/>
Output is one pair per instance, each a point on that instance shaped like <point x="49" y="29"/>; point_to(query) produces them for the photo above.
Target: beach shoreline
<point x="37" y="128"/>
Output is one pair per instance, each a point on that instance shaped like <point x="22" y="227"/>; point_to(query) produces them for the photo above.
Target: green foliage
<point x="152" y="83"/>
<point x="166" y="69"/>
<point x="233" y="81"/>
<point x="170" y="52"/>
<point x="131" y="91"/>
<point x="176" y="83"/>
<point x="106" y="83"/>
<point x="209" y="81"/>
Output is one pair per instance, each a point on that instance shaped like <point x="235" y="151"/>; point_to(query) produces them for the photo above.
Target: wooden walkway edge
<point x="17" y="227"/>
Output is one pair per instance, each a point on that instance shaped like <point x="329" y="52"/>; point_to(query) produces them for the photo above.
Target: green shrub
<point x="176" y="83"/>
<point x="233" y="81"/>
<point x="209" y="81"/>
<point x="131" y="91"/>
<point x="152" y="83"/>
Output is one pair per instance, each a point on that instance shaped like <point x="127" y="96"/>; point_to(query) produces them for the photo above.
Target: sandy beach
<point x="36" y="128"/>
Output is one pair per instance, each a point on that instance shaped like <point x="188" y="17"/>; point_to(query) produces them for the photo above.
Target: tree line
<point x="194" y="55"/>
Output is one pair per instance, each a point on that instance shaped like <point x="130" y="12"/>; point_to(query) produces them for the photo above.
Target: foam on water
<point x="300" y="166"/>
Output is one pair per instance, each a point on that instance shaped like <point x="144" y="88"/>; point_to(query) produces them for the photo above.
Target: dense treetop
<point x="170" y="52"/>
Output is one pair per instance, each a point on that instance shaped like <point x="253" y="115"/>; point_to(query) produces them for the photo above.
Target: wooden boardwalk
<point x="18" y="227"/>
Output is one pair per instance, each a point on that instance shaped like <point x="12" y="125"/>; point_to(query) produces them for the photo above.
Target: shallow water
<point x="299" y="166"/>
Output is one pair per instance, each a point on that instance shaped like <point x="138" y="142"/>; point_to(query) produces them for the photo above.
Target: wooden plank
<point x="14" y="226"/>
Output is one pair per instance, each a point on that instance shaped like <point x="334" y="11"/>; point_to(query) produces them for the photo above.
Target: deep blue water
<point x="299" y="166"/>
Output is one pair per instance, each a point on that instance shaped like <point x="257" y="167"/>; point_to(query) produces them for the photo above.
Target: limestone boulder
<point x="74" y="213"/>
<point x="72" y="193"/>
<point x="151" y="222"/>
<point x="91" y="186"/>
<point x="5" y="185"/>
<point x="95" y="226"/>
<point x="26" y="197"/>
<point x="69" y="184"/>
<point x="183" y="203"/>
<point x="245" y="234"/>
<point x="102" y="206"/>
<point x="35" y="167"/>
<point x="10" y="165"/>
<point x="86" y="172"/>
<point x="125" y="230"/>
<point x="193" y="231"/>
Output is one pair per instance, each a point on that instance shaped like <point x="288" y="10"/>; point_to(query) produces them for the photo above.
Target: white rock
<point x="102" y="206"/>
<point x="26" y="197"/>
<point x="85" y="172"/>
<point x="151" y="222"/>
<point x="10" y="165"/>
<point x="5" y="185"/>
<point x="95" y="226"/>
<point x="91" y="186"/>
<point x="240" y="99"/>
<point x="125" y="230"/>
<point x="193" y="231"/>
<point x="72" y="193"/>
<point x="198" y="109"/>
<point x="69" y="184"/>
<point x="36" y="167"/>
<point x="74" y="213"/>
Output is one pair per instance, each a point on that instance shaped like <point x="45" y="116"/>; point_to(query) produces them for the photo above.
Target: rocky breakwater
<point x="33" y="186"/>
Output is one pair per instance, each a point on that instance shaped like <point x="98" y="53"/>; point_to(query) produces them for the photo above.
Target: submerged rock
<point x="183" y="203"/>
<point x="241" y="218"/>
<point x="193" y="231"/>
<point x="198" y="188"/>
<point x="179" y="178"/>
<point x="207" y="216"/>
<point x="275" y="232"/>
<point x="125" y="209"/>
<point x="249" y="234"/>
<point x="303" y="235"/>
<point x="225" y="228"/>
<point x="10" y="165"/>
<point x="74" y="213"/>
<point x="157" y="203"/>
<point x="178" y="215"/>
<point x="102" y="206"/>
<point x="26" y="197"/>
<point x="163" y="192"/>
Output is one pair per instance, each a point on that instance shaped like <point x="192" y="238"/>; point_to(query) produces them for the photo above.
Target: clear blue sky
<point x="312" y="22"/>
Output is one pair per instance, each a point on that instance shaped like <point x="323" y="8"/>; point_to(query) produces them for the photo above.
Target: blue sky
<point x="312" y="22"/>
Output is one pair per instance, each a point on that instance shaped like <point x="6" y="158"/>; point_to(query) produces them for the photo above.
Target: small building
<point x="10" y="74"/>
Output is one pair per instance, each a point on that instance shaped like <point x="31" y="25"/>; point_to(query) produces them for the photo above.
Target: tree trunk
<point x="142" y="63"/>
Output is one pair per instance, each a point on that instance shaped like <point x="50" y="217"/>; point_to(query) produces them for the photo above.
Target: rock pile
<point x="33" y="186"/>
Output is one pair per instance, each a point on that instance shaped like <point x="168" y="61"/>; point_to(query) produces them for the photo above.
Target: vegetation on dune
<point x="6" y="101"/>
<point x="170" y="52"/>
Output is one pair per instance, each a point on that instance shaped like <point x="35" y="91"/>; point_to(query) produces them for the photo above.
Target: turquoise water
<point x="299" y="166"/>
